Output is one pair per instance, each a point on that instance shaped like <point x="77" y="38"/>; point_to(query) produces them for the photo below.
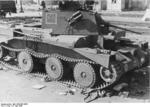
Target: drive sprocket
<point x="108" y="75"/>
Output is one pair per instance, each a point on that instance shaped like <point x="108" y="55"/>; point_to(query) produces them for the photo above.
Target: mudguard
<point x="102" y="59"/>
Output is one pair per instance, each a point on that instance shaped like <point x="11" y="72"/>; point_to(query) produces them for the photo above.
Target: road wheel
<point x="54" y="68"/>
<point x="84" y="75"/>
<point x="25" y="61"/>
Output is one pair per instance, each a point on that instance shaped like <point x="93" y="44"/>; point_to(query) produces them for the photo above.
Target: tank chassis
<point x="76" y="56"/>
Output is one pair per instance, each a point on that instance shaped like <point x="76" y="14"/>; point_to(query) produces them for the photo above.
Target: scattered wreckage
<point x="72" y="52"/>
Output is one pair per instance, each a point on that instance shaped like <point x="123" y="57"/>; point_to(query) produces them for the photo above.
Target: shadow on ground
<point x="138" y="83"/>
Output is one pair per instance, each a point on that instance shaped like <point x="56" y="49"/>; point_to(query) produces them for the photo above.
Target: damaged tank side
<point x="81" y="58"/>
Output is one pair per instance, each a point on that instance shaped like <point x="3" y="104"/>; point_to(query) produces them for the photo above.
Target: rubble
<point x="124" y="94"/>
<point x="46" y="79"/>
<point x="93" y="95"/>
<point x="73" y="90"/>
<point x="62" y="93"/>
<point x="119" y="87"/>
<point x="7" y="58"/>
<point x="38" y="86"/>
<point x="1" y="68"/>
<point x="68" y="92"/>
<point x="146" y="17"/>
<point x="139" y="93"/>
<point x="111" y="93"/>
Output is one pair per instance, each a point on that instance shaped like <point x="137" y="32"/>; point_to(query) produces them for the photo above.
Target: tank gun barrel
<point x="124" y="29"/>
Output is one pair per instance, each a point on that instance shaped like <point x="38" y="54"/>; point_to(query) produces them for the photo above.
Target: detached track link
<point x="64" y="58"/>
<point x="9" y="66"/>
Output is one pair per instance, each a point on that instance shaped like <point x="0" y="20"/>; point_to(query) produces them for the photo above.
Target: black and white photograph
<point x="74" y="51"/>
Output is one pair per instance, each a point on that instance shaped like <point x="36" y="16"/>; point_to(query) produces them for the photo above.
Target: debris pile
<point x="39" y="86"/>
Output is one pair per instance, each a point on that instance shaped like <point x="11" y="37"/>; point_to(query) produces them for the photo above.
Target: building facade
<point x="124" y="5"/>
<point x="107" y="5"/>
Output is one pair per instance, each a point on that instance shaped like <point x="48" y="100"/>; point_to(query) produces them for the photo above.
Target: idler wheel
<point x="1" y="52"/>
<point x="108" y="75"/>
<point x="25" y="61"/>
<point x="84" y="75"/>
<point x="54" y="68"/>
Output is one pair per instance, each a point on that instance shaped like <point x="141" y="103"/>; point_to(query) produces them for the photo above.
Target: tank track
<point x="41" y="55"/>
<point x="101" y="86"/>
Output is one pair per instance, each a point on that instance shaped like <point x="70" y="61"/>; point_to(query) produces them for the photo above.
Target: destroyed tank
<point x="70" y="49"/>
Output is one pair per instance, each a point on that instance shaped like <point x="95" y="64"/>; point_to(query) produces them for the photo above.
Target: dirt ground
<point x="16" y="87"/>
